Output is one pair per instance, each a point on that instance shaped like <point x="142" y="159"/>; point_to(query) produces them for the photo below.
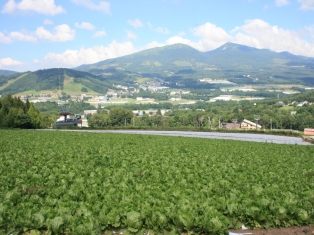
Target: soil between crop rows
<point x="273" y="231"/>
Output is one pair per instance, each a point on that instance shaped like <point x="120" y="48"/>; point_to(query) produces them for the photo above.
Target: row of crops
<point x="54" y="182"/>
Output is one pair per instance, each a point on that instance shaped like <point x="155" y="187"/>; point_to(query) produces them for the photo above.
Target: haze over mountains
<point x="176" y="64"/>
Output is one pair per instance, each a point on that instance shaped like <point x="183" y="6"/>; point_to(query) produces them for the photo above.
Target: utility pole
<point x="219" y="121"/>
<point x="271" y="125"/>
<point x="208" y="122"/>
<point x="256" y="117"/>
<point x="59" y="85"/>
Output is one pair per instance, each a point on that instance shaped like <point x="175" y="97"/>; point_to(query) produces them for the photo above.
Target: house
<point x="246" y="124"/>
<point x="223" y="97"/>
<point x="308" y="131"/>
<point x="175" y="99"/>
<point x="230" y="125"/>
<point x="90" y="112"/>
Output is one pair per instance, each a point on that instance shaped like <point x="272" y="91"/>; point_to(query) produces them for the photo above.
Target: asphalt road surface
<point x="213" y="135"/>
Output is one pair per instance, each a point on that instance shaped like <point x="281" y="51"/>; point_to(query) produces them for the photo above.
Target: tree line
<point x="14" y="113"/>
<point x="272" y="114"/>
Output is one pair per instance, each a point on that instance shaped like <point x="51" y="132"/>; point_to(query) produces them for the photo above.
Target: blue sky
<point x="38" y="34"/>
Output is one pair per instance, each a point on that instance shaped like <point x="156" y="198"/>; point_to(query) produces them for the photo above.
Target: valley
<point x="232" y="82"/>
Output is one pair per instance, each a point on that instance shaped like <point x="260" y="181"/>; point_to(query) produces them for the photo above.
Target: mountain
<point x="156" y="60"/>
<point x="230" y="54"/>
<point x="178" y="65"/>
<point x="231" y="61"/>
<point x="4" y="76"/>
<point x="52" y="80"/>
<point x="7" y="72"/>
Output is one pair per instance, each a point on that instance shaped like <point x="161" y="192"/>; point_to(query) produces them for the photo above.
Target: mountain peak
<point x="229" y="46"/>
<point x="167" y="47"/>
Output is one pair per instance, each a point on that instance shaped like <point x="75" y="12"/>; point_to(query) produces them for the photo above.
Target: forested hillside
<point x="3" y="80"/>
<point x="51" y="79"/>
<point x="7" y="72"/>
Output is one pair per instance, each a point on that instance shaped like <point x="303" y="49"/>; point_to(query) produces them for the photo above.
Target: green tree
<point x="84" y="89"/>
<point x="14" y="113"/>
<point x="120" y="116"/>
<point x="34" y="116"/>
<point x="99" y="120"/>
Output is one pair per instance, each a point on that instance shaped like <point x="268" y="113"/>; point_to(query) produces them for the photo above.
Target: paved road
<point x="214" y="135"/>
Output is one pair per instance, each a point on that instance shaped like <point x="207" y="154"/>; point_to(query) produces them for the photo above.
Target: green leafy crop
<point x="56" y="182"/>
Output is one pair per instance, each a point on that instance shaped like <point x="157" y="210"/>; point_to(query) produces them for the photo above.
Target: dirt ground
<point x="309" y="230"/>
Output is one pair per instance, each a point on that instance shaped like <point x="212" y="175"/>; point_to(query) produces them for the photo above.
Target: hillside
<point x="7" y="72"/>
<point x="232" y="61"/>
<point x="152" y="60"/>
<point x="176" y="66"/>
<point x="52" y="80"/>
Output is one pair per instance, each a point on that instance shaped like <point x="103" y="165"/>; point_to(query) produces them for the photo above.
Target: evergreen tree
<point x="34" y="116"/>
<point x="14" y="113"/>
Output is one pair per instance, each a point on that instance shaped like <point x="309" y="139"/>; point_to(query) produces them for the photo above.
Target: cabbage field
<point x="54" y="182"/>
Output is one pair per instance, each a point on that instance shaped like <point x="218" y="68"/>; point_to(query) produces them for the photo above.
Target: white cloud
<point x="158" y="29"/>
<point x="162" y="30"/>
<point x="47" y="22"/>
<point x="8" y="62"/>
<point x="17" y="36"/>
<point x="73" y="58"/>
<point x="170" y="41"/>
<point x="306" y="4"/>
<point x="135" y="23"/>
<point x="256" y="33"/>
<point x="282" y="2"/>
<point x="100" y="33"/>
<point x="260" y="34"/>
<point x="61" y="33"/>
<point x="22" y="36"/>
<point x="131" y="35"/>
<point x="102" y="6"/>
<point x="178" y="39"/>
<point x="310" y="31"/>
<point x="152" y="44"/>
<point x="5" y="39"/>
<point x="85" y="25"/>
<point x="46" y="7"/>
<point x="211" y="36"/>
<point x="181" y="33"/>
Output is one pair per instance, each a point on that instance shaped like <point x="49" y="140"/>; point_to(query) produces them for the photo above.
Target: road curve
<point x="213" y="135"/>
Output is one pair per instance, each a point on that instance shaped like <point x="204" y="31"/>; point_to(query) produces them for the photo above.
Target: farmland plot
<point x="89" y="183"/>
